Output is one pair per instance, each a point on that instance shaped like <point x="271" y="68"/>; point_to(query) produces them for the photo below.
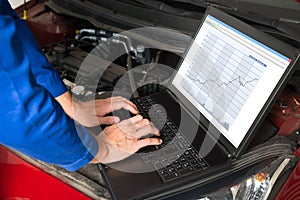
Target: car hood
<point x="180" y="15"/>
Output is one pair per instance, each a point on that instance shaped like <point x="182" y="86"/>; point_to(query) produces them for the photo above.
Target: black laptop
<point x="221" y="92"/>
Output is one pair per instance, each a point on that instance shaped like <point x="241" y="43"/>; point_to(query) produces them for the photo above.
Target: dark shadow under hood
<point x="279" y="19"/>
<point x="118" y="16"/>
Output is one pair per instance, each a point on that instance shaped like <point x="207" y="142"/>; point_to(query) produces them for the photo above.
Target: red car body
<point x="20" y="179"/>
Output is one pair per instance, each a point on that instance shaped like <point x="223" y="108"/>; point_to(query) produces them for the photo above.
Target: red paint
<point x="49" y="27"/>
<point x="21" y="180"/>
<point x="286" y="118"/>
<point x="291" y="189"/>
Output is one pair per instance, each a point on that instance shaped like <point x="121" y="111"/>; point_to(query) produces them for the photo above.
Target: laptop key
<point x="170" y="177"/>
<point x="171" y="149"/>
<point x="186" y="171"/>
<point x="198" y="167"/>
<point x="149" y="158"/>
<point x="163" y="172"/>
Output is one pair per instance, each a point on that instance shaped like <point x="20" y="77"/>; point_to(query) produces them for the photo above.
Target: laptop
<point x="221" y="92"/>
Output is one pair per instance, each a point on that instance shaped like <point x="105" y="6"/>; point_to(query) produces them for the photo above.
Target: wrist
<point x="103" y="152"/>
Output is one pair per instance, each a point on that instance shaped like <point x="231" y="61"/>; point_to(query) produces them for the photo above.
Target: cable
<point x="126" y="38"/>
<point x="152" y="64"/>
<point x="131" y="77"/>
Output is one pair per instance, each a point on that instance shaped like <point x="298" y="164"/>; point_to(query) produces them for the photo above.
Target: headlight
<point x="255" y="187"/>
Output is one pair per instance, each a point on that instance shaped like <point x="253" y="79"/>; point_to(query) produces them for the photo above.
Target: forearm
<point x="65" y="100"/>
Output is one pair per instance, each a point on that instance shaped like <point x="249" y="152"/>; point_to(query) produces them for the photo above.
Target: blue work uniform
<point x="32" y="121"/>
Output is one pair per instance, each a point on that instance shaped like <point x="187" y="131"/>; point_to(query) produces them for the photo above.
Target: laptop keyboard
<point x="177" y="158"/>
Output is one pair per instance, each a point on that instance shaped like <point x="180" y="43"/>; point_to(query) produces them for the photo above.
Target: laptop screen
<point x="228" y="76"/>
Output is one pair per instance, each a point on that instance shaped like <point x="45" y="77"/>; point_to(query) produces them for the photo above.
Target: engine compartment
<point x="67" y="41"/>
<point x="126" y="64"/>
<point x="129" y="64"/>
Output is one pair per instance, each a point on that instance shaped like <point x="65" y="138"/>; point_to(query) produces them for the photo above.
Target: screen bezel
<point x="261" y="37"/>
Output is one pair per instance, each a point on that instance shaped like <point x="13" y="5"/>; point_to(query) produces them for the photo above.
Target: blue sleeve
<point x="32" y="121"/>
<point x="43" y="71"/>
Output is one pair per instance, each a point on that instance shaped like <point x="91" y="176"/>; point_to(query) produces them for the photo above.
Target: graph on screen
<point x="221" y="77"/>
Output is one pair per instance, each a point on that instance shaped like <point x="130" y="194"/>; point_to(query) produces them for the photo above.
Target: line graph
<point x="221" y="78"/>
<point x="217" y="81"/>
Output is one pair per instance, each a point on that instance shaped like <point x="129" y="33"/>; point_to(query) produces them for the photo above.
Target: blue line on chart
<point x="224" y="83"/>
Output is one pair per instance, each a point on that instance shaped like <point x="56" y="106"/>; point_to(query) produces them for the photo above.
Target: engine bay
<point x="67" y="41"/>
<point x="96" y="57"/>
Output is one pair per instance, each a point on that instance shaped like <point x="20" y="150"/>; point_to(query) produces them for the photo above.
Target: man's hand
<point x="121" y="140"/>
<point x="92" y="113"/>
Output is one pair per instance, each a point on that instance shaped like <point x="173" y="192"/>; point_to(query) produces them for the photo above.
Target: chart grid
<point x="221" y="78"/>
